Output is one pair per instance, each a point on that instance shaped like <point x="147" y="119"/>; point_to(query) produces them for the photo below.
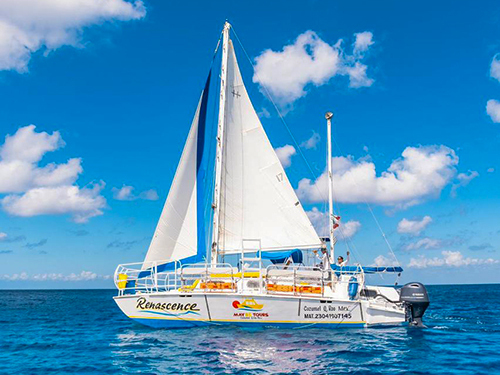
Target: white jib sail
<point x="175" y="236"/>
<point x="257" y="199"/>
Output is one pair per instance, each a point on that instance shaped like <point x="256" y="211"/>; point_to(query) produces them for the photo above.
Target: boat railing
<point x="220" y="277"/>
<point x="302" y="280"/>
<point x="296" y="280"/>
<point x="144" y="277"/>
<point x="148" y="277"/>
<point x="344" y="275"/>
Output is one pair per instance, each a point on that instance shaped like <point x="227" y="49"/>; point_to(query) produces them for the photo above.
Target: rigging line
<point x="383" y="234"/>
<point x="349" y="241"/>
<point x="268" y="94"/>
<point x="373" y="215"/>
<point x="218" y="44"/>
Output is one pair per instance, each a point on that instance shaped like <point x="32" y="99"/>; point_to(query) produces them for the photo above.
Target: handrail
<point x="128" y="279"/>
<point x="296" y="279"/>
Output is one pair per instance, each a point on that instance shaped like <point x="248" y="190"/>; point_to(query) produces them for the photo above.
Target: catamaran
<point x="230" y="244"/>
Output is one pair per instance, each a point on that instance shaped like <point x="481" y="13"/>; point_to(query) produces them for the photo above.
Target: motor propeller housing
<point x="415" y="297"/>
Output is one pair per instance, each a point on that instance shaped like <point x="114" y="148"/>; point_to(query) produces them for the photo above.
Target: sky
<point x="97" y="96"/>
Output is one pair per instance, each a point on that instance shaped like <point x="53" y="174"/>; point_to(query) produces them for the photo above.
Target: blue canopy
<point x="282" y="256"/>
<point x="336" y="267"/>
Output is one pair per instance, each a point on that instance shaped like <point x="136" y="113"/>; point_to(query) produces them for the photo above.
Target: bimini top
<point x="277" y="257"/>
<point x="336" y="267"/>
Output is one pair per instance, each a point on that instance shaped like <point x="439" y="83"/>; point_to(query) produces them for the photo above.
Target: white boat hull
<point x="177" y="310"/>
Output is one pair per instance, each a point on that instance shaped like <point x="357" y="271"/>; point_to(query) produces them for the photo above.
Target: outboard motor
<point x="416" y="299"/>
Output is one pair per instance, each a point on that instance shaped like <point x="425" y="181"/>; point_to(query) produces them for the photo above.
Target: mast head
<point x="329" y="115"/>
<point x="227" y="25"/>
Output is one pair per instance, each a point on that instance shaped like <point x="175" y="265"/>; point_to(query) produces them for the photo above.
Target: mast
<point x="328" y="117"/>
<point x="220" y="143"/>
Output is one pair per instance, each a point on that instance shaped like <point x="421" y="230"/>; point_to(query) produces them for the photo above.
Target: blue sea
<point x="83" y="331"/>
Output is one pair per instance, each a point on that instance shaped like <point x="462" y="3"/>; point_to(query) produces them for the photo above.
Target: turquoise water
<point x="51" y="332"/>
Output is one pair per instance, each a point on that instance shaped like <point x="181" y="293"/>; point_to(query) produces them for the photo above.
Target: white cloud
<point x="59" y="174"/>
<point x="358" y="77"/>
<point x="363" y="41"/>
<point x="349" y="229"/>
<point x="493" y="106"/>
<point x="125" y="193"/>
<point x="449" y="259"/>
<point x="264" y="113"/>
<point x="3" y="236"/>
<point x="493" y="110"/>
<point x="32" y="190"/>
<point x="421" y="173"/>
<point x="424" y="243"/>
<point x="82" y="276"/>
<point x="15" y="277"/>
<point x="20" y="155"/>
<point x="27" y="26"/>
<point x="383" y="261"/>
<point x="28" y="145"/>
<point x="320" y="222"/>
<point x="150" y="195"/>
<point x="310" y="60"/>
<point x="463" y="179"/>
<point x="285" y="154"/>
<point x="495" y="68"/>
<point x="413" y="227"/>
<point x="490" y="170"/>
<point x="81" y="203"/>
<point x="312" y="142"/>
<point x="16" y="176"/>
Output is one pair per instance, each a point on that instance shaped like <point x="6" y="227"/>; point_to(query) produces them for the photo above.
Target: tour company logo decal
<point x="167" y="308"/>
<point x="248" y="305"/>
<point x="250" y="309"/>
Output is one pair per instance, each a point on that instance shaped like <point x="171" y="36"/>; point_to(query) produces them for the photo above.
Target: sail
<point x="181" y="230"/>
<point x="257" y="199"/>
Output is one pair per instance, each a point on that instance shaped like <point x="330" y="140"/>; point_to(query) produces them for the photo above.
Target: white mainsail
<point x="257" y="199"/>
<point x="175" y="236"/>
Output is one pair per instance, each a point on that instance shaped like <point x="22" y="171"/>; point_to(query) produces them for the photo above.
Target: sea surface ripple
<point x="83" y="331"/>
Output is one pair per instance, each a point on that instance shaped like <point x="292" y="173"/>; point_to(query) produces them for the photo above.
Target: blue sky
<point x="114" y="87"/>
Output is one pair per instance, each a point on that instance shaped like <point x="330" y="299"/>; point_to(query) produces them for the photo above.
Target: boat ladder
<point x="251" y="266"/>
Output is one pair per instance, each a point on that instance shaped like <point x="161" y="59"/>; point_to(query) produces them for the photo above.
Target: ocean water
<point x="51" y="332"/>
